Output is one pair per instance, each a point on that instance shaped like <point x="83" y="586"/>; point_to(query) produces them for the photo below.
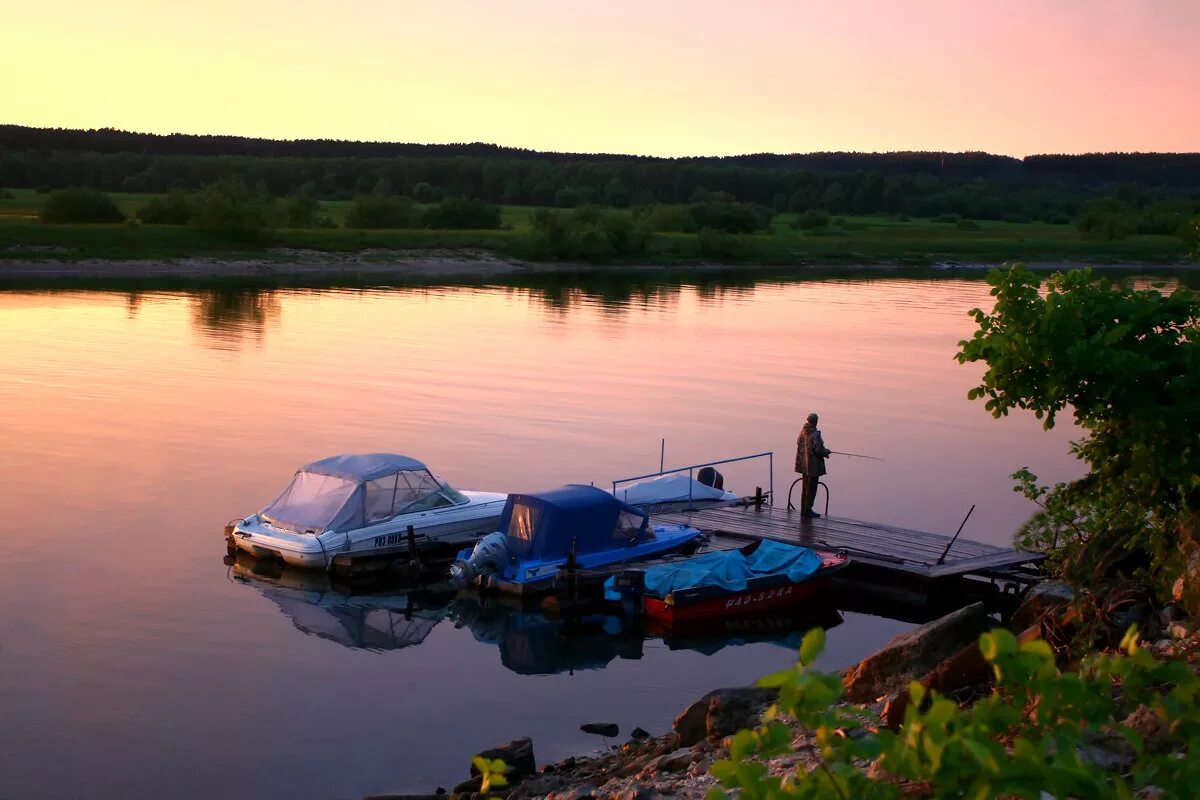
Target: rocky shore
<point x="943" y="655"/>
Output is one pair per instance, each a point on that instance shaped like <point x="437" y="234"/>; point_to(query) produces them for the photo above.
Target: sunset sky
<point x="650" y="77"/>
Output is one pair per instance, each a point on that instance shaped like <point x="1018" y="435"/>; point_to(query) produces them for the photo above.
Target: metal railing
<point x="691" y="470"/>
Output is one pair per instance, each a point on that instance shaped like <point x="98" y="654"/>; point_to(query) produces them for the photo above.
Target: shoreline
<point x="290" y="265"/>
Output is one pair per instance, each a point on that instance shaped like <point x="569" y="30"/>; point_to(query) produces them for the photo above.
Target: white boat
<point x="667" y="492"/>
<point x="362" y="505"/>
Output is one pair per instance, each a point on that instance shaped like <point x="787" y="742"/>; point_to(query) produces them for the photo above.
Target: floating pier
<point x="887" y="561"/>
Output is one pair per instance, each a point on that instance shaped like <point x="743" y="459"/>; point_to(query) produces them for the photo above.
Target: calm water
<point x="133" y="662"/>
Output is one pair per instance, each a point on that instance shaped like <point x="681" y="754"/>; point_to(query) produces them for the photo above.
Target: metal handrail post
<point x="771" y="485"/>
<point x="690" y="484"/>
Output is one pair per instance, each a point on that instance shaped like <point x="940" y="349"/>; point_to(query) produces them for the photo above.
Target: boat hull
<point x="457" y="525"/>
<point x="761" y="597"/>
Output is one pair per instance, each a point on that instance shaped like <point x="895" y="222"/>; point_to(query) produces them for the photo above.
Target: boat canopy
<point x="544" y="525"/>
<point x="354" y="491"/>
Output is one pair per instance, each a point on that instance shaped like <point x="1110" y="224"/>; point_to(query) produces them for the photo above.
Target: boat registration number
<point x="759" y="597"/>
<point x="390" y="539"/>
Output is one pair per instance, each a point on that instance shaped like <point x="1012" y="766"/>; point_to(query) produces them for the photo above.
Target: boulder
<point x="517" y="756"/>
<point x="601" y="728"/>
<point x="1042" y="600"/>
<point x="638" y="734"/>
<point x="578" y="793"/>
<point x="914" y="653"/>
<point x="721" y="713"/>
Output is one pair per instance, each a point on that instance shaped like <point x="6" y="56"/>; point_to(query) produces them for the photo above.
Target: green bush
<point x="588" y="233"/>
<point x="728" y="216"/>
<point x="715" y="243"/>
<point x="663" y="217"/>
<point x="1106" y="219"/>
<point x="424" y="192"/>
<point x="1035" y="736"/>
<point x="1017" y="218"/>
<point x="967" y="225"/>
<point x="812" y="220"/>
<point x="79" y="204"/>
<point x="302" y="211"/>
<point x="229" y="208"/>
<point x="176" y="207"/>
<point x="463" y="214"/>
<point x="948" y="219"/>
<point x="382" y="211"/>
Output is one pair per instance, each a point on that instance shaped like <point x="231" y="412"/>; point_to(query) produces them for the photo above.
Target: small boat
<point x="574" y="528"/>
<point x="677" y="492"/>
<point x="762" y="576"/>
<point x="363" y="506"/>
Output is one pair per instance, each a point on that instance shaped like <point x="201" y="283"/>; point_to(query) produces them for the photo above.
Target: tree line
<point x="972" y="185"/>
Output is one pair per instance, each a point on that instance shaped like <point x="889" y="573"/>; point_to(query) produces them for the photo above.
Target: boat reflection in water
<point x="530" y="642"/>
<point x="382" y="621"/>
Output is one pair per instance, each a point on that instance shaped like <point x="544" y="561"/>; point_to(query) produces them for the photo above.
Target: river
<point x="134" y="662"/>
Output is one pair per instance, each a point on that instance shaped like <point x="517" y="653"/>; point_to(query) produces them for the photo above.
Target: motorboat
<point x="570" y="529"/>
<point x="762" y="576"/>
<point x="363" y="506"/>
<point x="676" y="492"/>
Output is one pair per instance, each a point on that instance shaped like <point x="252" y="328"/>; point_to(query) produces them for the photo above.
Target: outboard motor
<point x="489" y="557"/>
<point x="710" y="477"/>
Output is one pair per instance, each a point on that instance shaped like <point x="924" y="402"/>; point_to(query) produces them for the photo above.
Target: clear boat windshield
<point x="310" y="503"/>
<point x="314" y="503"/>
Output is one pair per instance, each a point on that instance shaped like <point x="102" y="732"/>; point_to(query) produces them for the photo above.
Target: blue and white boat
<point x="574" y="527"/>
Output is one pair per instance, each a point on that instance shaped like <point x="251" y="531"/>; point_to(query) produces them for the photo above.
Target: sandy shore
<point x="416" y="266"/>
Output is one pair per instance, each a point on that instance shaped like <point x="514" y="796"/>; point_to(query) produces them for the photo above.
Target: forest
<point x="1048" y="188"/>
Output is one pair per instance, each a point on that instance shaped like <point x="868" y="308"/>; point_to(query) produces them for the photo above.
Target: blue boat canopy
<point x="354" y="491"/>
<point x="543" y="525"/>
<point x="362" y="467"/>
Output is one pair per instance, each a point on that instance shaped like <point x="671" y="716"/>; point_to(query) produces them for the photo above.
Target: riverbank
<point x="943" y="655"/>
<point x="375" y="265"/>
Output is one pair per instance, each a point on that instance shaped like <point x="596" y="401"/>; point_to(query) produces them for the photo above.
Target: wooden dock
<point x="911" y="557"/>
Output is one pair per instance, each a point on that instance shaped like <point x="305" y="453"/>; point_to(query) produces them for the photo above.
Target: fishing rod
<point x="854" y="455"/>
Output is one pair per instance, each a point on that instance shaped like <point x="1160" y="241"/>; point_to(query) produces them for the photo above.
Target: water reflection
<point x="529" y="641"/>
<point x="225" y="318"/>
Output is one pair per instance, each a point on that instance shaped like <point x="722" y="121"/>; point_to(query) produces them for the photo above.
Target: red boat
<point x="760" y="590"/>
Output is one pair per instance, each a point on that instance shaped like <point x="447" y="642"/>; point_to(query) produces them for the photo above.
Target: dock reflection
<point x="529" y="642"/>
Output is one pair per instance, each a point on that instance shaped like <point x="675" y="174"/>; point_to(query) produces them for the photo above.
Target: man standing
<point x="810" y="462"/>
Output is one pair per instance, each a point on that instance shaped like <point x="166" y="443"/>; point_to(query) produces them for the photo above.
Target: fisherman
<point x="810" y="463"/>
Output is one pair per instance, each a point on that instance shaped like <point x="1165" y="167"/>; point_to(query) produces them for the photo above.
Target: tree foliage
<point x="79" y="204"/>
<point x="1039" y="733"/>
<point x="383" y="211"/>
<point x="231" y="209"/>
<point x="1125" y="363"/>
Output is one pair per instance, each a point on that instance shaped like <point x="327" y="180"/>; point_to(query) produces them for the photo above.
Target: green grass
<point x="858" y="240"/>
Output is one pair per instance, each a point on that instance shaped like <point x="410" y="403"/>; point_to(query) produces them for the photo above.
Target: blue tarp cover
<point x="732" y="569"/>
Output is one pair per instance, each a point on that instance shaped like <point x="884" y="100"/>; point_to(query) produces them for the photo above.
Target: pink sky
<point x="666" y="78"/>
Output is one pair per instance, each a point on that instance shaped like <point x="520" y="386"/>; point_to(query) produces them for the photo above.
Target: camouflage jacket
<point x="810" y="452"/>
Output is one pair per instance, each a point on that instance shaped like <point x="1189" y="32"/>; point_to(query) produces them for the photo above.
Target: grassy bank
<point x="848" y="240"/>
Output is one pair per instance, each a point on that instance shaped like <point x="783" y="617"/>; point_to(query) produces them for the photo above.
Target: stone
<point x="1042" y="600"/>
<point x="677" y="761"/>
<point x="914" y="653"/>
<point x="537" y="787"/>
<point x="578" y="793"/>
<point x="601" y="728"/>
<point x="722" y="712"/>
<point x="517" y="756"/>
<point x="470" y="785"/>
<point x="636" y="793"/>
<point x="1178" y="631"/>
<point x="638" y="734"/>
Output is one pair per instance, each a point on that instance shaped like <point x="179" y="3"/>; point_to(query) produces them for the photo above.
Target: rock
<point x="1170" y="613"/>
<point x="721" y="713"/>
<point x="636" y="793"/>
<point x="601" y="728"/>
<point x="517" y="756"/>
<point x="676" y="761"/>
<point x="537" y="787"/>
<point x="1042" y="600"/>
<point x="1178" y="631"/>
<point x="638" y="734"/>
<point x="578" y="793"/>
<point x="436" y="796"/>
<point x="469" y="786"/>
<point x="914" y="653"/>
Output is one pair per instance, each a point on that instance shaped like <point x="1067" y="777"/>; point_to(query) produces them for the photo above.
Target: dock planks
<point x="871" y="544"/>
